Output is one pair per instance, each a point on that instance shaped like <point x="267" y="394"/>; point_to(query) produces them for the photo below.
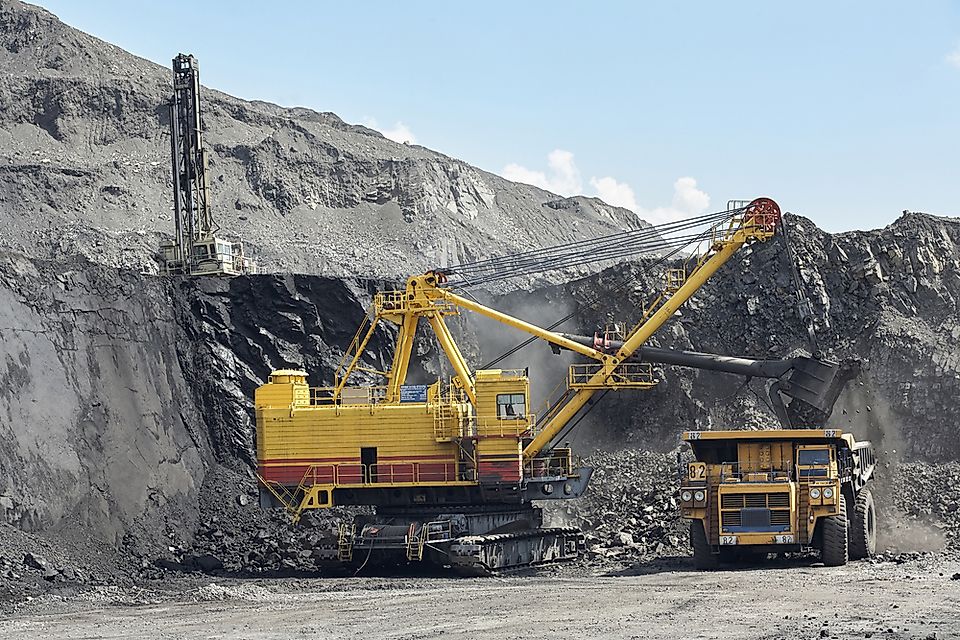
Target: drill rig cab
<point x="778" y="491"/>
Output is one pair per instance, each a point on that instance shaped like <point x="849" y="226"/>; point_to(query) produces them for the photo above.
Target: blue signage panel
<point x="413" y="393"/>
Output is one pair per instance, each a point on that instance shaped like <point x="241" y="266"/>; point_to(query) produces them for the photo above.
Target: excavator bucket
<point x="813" y="386"/>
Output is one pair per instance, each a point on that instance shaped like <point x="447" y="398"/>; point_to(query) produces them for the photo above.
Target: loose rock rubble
<point x="630" y="512"/>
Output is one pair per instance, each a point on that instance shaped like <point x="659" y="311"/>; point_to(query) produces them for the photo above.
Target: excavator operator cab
<point x="503" y="397"/>
<point x="816" y="461"/>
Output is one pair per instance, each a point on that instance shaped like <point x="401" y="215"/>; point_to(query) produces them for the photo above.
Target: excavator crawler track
<point x="504" y="552"/>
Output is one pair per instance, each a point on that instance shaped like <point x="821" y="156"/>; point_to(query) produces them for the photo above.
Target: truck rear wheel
<point x="834" y="548"/>
<point x="702" y="556"/>
<point x="863" y="526"/>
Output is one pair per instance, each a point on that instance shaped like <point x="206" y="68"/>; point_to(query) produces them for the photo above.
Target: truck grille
<point x="780" y="517"/>
<point x="762" y="510"/>
<point x="768" y="500"/>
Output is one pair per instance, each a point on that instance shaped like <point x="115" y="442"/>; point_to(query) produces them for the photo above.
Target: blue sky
<point x="846" y="112"/>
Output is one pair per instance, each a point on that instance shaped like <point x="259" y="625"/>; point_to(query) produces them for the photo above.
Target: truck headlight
<point x="686" y="496"/>
<point x="699" y="496"/>
<point x="828" y="493"/>
<point x="815" y="493"/>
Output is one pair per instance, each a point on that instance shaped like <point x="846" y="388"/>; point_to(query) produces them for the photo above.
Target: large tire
<point x="835" y="549"/>
<point x="863" y="527"/>
<point x="703" y="558"/>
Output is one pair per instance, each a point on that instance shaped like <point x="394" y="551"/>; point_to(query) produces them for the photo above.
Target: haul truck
<point x="777" y="491"/>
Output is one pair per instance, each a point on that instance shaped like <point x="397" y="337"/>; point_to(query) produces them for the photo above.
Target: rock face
<point x="84" y="168"/>
<point x="889" y="297"/>
<point x="122" y="391"/>
<point x="100" y="427"/>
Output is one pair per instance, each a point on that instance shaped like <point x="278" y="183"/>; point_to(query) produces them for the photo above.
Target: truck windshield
<point x="811" y="457"/>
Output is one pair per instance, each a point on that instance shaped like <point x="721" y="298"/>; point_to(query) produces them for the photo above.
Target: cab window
<point x="813" y="457"/>
<point x="511" y="406"/>
<point x="818" y="459"/>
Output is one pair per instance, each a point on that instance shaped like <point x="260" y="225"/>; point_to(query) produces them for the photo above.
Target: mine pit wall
<point x="120" y="391"/>
<point x="889" y="296"/>
<point x="100" y="426"/>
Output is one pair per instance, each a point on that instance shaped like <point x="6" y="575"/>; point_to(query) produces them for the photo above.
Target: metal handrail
<point x="325" y="396"/>
<point x="379" y="474"/>
<point x="625" y="373"/>
<point x="514" y="426"/>
<point x="736" y="470"/>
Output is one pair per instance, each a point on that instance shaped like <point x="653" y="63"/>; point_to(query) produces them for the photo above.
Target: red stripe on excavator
<point x="353" y="473"/>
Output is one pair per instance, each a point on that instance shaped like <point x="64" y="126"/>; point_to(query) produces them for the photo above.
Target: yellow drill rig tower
<point x="453" y="467"/>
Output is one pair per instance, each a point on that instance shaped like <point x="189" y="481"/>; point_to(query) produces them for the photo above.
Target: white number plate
<point x="788" y="539"/>
<point x="728" y="540"/>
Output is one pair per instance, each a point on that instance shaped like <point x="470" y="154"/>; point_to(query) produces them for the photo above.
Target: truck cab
<point x="778" y="490"/>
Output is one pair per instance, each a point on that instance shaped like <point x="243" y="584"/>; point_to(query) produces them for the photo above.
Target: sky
<point x="845" y="112"/>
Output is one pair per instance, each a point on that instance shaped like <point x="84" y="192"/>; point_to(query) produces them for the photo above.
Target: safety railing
<point x="387" y="302"/>
<point x="558" y="464"/>
<point x="384" y="473"/>
<point x="512" y="427"/>
<point x="513" y="373"/>
<point x="320" y="396"/>
<point x="626" y="374"/>
<point x="754" y="472"/>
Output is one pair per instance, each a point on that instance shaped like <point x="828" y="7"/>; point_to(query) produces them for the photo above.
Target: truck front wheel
<point x="863" y="526"/>
<point x="703" y="558"/>
<point x="834" y="548"/>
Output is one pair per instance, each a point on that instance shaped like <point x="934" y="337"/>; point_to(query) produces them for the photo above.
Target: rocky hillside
<point x="84" y="168"/>
<point x="123" y="390"/>
<point x="890" y="297"/>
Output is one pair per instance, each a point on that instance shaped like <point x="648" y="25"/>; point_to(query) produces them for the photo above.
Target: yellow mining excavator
<point x="453" y="468"/>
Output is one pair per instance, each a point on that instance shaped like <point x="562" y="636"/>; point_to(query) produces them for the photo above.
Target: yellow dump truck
<point x="778" y="490"/>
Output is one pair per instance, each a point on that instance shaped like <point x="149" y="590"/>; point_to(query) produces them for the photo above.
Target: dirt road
<point x="860" y="600"/>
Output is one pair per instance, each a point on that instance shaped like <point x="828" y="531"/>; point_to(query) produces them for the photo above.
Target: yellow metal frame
<point x="425" y="296"/>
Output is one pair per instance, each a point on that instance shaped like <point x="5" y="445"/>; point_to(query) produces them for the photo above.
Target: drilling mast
<point x="196" y="248"/>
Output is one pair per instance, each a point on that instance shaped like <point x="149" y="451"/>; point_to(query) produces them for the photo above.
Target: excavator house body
<point x="771" y="490"/>
<point x="437" y="471"/>
<point x="428" y="448"/>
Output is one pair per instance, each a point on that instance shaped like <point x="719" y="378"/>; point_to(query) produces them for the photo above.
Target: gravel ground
<point x="918" y="599"/>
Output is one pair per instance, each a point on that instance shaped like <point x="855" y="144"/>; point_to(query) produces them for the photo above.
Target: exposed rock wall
<point x="101" y="428"/>
<point x="120" y="391"/>
<point x="889" y="297"/>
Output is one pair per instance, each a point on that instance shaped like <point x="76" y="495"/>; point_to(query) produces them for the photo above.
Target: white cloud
<point x="954" y="57"/>
<point x="688" y="201"/>
<point x="399" y="132"/>
<point x="619" y="194"/>
<point x="562" y="177"/>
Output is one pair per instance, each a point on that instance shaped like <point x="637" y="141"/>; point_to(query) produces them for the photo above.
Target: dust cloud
<point x="868" y="416"/>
